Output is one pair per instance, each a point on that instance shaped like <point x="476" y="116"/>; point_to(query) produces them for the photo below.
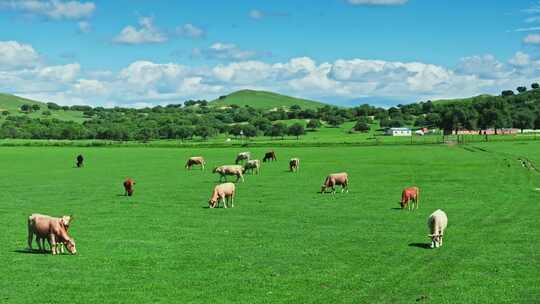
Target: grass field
<point x="283" y="242"/>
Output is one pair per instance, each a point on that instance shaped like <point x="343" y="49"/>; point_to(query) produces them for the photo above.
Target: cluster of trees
<point x="197" y="119"/>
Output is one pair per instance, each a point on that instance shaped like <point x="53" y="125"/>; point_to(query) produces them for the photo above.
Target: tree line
<point x="198" y="119"/>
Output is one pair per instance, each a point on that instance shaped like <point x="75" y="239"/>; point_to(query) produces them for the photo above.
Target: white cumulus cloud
<point x="146" y="33"/>
<point x="532" y="39"/>
<point x="53" y="9"/>
<point x="190" y="31"/>
<point x="17" y="55"/>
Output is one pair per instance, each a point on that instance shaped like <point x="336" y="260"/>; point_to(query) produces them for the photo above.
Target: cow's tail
<point x="30" y="232"/>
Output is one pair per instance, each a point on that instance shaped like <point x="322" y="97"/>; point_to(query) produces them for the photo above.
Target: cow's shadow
<point x="420" y="245"/>
<point x="31" y="251"/>
<point x="396" y="208"/>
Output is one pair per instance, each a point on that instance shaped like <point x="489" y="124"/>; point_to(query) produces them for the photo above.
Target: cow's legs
<point x="52" y="241"/>
<point x="232" y="201"/>
<point x="224" y="202"/>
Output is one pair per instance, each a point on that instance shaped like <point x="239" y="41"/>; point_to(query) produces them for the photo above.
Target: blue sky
<point x="137" y="53"/>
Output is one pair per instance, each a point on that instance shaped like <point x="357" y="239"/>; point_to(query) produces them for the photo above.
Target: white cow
<point x="437" y="222"/>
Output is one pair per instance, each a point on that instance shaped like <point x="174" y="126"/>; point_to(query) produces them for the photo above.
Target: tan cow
<point x="60" y="243"/>
<point x="252" y="165"/>
<point x="243" y="156"/>
<point x="437" y="223"/>
<point x="224" y="193"/>
<point x="236" y="170"/>
<point x="294" y="164"/>
<point x="54" y="229"/>
<point x="336" y="179"/>
<point x="195" y="160"/>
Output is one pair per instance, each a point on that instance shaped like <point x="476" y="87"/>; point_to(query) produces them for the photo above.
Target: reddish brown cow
<point x="269" y="156"/>
<point x="411" y="194"/>
<point x="128" y="187"/>
<point x="339" y="179"/>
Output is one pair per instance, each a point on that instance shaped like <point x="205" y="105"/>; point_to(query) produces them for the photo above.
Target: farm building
<point x="398" y="132"/>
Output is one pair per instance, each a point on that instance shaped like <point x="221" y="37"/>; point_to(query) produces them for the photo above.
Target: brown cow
<point x="128" y="187"/>
<point x="224" y="193"/>
<point x="196" y="160"/>
<point x="54" y="229"/>
<point x="411" y="194"/>
<point x="269" y="156"/>
<point x="294" y="164"/>
<point x="339" y="179"/>
<point x="236" y="170"/>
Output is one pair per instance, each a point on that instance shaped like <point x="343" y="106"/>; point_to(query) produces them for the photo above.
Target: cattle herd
<point x="55" y="229"/>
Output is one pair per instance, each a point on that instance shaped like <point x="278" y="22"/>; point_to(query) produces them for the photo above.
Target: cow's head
<point x="215" y="170"/>
<point x="436" y="240"/>
<point x="70" y="245"/>
<point x="212" y="203"/>
<point x="323" y="188"/>
<point x="403" y="204"/>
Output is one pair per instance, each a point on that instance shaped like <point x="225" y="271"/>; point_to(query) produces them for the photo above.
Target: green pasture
<point x="283" y="242"/>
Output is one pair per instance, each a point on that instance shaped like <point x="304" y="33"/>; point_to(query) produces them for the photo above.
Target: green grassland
<point x="283" y="242"/>
<point x="12" y="104"/>
<point x="265" y="100"/>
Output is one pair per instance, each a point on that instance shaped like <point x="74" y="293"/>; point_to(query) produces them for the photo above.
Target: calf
<point x="196" y="160"/>
<point x="339" y="179"/>
<point x="269" y="156"/>
<point x="54" y="229"/>
<point x="411" y="194"/>
<point x="294" y="164"/>
<point x="437" y="223"/>
<point x="224" y="193"/>
<point x="244" y="156"/>
<point x="252" y="165"/>
<point x="128" y="187"/>
<point x="236" y="170"/>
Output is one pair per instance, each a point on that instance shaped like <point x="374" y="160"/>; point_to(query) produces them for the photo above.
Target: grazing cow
<point x="251" y="165"/>
<point x="128" y="187"/>
<point x="230" y="170"/>
<point x="336" y="179"/>
<point x="54" y="229"/>
<point x="80" y="160"/>
<point x="294" y="164"/>
<point x="243" y="156"/>
<point x="224" y="193"/>
<point x="196" y="160"/>
<point x="411" y="194"/>
<point x="269" y="156"/>
<point x="437" y="223"/>
<point x="60" y="243"/>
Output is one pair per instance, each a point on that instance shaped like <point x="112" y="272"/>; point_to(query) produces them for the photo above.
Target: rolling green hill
<point x="467" y="100"/>
<point x="12" y="104"/>
<point x="265" y="100"/>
